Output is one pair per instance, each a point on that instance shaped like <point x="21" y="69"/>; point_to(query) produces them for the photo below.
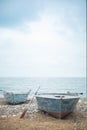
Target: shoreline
<point x="9" y="110"/>
<point x="37" y="120"/>
<point x="14" y="110"/>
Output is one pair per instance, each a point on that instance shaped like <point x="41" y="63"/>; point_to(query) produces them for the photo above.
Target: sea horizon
<point x="47" y="84"/>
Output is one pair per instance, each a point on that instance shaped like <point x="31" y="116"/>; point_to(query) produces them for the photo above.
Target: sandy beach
<point x="37" y="120"/>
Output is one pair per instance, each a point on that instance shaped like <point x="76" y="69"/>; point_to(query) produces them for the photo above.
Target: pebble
<point x="14" y="110"/>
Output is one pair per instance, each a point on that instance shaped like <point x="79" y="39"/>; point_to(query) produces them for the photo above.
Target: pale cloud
<point x="42" y="48"/>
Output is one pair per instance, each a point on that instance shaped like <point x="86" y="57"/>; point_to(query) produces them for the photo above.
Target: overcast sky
<point x="41" y="38"/>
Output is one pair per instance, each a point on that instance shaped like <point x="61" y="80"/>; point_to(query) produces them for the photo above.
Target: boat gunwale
<point x="55" y="97"/>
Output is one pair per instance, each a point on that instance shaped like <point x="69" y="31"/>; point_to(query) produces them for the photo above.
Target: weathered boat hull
<point x="15" y="98"/>
<point x="59" y="114"/>
<point x="57" y="107"/>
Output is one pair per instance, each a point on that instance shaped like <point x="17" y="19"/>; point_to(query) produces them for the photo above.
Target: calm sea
<point x="46" y="85"/>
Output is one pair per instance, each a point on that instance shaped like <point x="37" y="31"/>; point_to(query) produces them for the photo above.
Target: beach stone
<point x="3" y="116"/>
<point x="14" y="110"/>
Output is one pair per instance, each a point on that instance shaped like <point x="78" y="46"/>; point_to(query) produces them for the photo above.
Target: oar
<point x="29" y="91"/>
<point x="25" y="110"/>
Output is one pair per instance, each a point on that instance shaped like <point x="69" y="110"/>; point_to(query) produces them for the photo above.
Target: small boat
<point x="58" y="106"/>
<point x="15" y="97"/>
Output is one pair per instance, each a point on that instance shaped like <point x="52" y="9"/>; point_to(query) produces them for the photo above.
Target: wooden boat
<point x="57" y="105"/>
<point x="15" y="98"/>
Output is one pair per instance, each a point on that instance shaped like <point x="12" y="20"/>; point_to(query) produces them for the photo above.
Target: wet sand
<point x="37" y="120"/>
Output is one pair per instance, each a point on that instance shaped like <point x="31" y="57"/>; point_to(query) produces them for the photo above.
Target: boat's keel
<point x="59" y="114"/>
